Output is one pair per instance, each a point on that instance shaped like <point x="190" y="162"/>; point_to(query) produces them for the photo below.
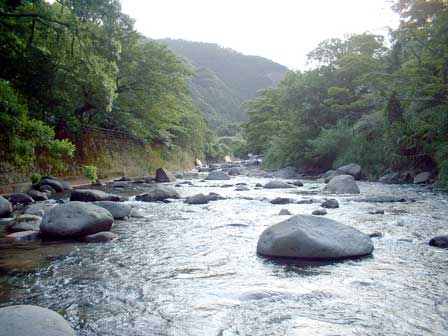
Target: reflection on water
<point x="193" y="270"/>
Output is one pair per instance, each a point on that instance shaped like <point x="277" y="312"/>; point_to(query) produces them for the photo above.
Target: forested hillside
<point x="73" y="66"/>
<point x="224" y="78"/>
<point x="366" y="101"/>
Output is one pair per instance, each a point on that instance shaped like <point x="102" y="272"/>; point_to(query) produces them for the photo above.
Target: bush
<point x="90" y="173"/>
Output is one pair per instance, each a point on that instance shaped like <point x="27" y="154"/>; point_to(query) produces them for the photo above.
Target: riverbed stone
<point x="163" y="175"/>
<point x="27" y="320"/>
<point x="38" y="195"/>
<point x="217" y="175"/>
<point x="319" y="212"/>
<point x="56" y="185"/>
<point x="92" y="195"/>
<point x="5" y="207"/>
<point x="234" y="171"/>
<point x="390" y="178"/>
<point x="24" y="223"/>
<point x="19" y="198"/>
<point x="330" y="204"/>
<point x="117" y="209"/>
<point x="23" y="236"/>
<point x="424" y="177"/>
<point x="381" y="199"/>
<point x="46" y="189"/>
<point x="284" y="212"/>
<point x="197" y="199"/>
<point x="40" y="208"/>
<point x="342" y="184"/>
<point x="352" y="169"/>
<point x="312" y="237"/>
<point x="281" y="200"/>
<point x="158" y="193"/>
<point x="242" y="188"/>
<point x="329" y="175"/>
<point x="212" y="196"/>
<point x="100" y="237"/>
<point x="439" y="241"/>
<point x="277" y="185"/>
<point x="75" y="220"/>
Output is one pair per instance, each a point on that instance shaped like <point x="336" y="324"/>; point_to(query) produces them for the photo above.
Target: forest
<point x="382" y="105"/>
<point x="72" y="66"/>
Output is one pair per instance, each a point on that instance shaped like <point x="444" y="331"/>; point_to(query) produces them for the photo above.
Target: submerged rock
<point x="27" y="320"/>
<point x="319" y="212"/>
<point x="24" y="223"/>
<point x="381" y="199"/>
<point x="40" y="208"/>
<point x="277" y="185"/>
<point x="330" y="204"/>
<point x="162" y="175"/>
<point x="117" y="209"/>
<point x="439" y="241"/>
<point x="75" y="220"/>
<point x="281" y="200"/>
<point x="242" y="188"/>
<point x="100" y="237"/>
<point x="342" y="184"/>
<point x="23" y="235"/>
<point x="5" y="207"/>
<point x="311" y="237"/>
<point x="284" y="212"/>
<point x="329" y="175"/>
<point x="212" y="196"/>
<point x="158" y="193"/>
<point x="92" y="195"/>
<point x="197" y="199"/>
<point x="390" y="178"/>
<point x="217" y="175"/>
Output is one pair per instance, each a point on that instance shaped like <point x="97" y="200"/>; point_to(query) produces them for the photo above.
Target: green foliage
<point x="35" y="178"/>
<point x="364" y="103"/>
<point x="90" y="173"/>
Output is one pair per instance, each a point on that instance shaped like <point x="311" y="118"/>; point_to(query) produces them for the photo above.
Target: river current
<point x="193" y="269"/>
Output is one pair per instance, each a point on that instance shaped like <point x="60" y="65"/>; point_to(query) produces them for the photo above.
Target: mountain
<point x="224" y="78"/>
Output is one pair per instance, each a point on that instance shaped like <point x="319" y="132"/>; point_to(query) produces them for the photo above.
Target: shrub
<point x="90" y="173"/>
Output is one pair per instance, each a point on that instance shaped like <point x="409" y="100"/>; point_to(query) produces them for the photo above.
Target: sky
<point x="281" y="30"/>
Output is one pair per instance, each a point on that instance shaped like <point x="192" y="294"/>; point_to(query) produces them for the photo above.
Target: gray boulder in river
<point x="352" y="169"/>
<point x="329" y="175"/>
<point x="92" y="195"/>
<point x="158" y="193"/>
<point x="342" y="184"/>
<point x="75" y="220"/>
<point x="439" y="241"/>
<point x="162" y="175"/>
<point x="19" y="198"/>
<point x="424" y="177"/>
<point x="217" y="175"/>
<point x="390" y="178"/>
<point x="197" y="199"/>
<point x="277" y="185"/>
<point x="27" y="320"/>
<point x="5" y="207"/>
<point x="314" y="238"/>
<point x="117" y="209"/>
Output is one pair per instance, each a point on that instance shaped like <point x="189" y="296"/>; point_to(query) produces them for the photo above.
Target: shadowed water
<point x="193" y="270"/>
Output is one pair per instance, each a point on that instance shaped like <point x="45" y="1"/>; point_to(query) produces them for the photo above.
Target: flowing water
<point x="193" y="270"/>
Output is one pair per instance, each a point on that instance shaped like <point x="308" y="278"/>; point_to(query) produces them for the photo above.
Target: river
<point x="193" y="269"/>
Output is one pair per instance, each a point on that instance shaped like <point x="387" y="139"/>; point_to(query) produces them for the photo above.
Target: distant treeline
<point x="376" y="104"/>
<point x="74" y="64"/>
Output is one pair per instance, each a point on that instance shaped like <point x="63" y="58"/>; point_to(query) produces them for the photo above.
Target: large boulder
<point x="217" y="175"/>
<point x="158" y="193"/>
<point x="390" y="178"/>
<point x="92" y="195"/>
<point x="234" y="171"/>
<point x="342" y="184"/>
<point x="117" y="209"/>
<point x="162" y="175"/>
<point x="56" y="185"/>
<point x="277" y="185"/>
<point x="24" y="223"/>
<point x="313" y="238"/>
<point x="352" y="169"/>
<point x="46" y="189"/>
<point x="26" y="320"/>
<point x="5" y="207"/>
<point x="75" y="220"/>
<point x="19" y="198"/>
<point x="330" y="204"/>
<point x="421" y="178"/>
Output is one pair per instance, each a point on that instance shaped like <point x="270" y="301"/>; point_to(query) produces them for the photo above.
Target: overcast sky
<point x="281" y="30"/>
